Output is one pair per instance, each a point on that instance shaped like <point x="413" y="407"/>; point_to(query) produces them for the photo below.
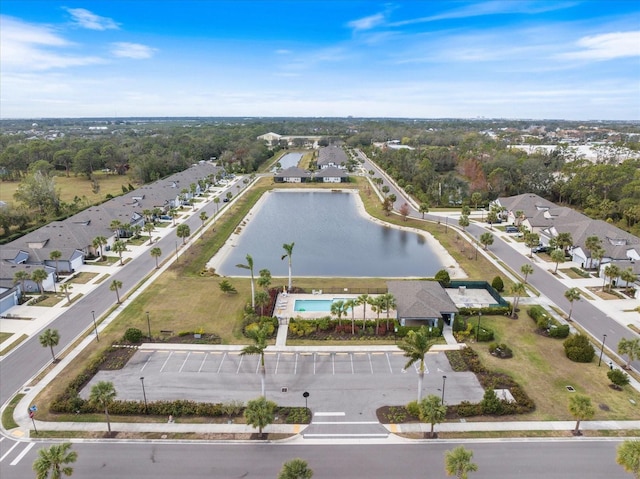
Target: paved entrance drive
<point x="345" y="386"/>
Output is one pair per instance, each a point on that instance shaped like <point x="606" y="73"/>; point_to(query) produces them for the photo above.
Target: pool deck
<point x="285" y="305"/>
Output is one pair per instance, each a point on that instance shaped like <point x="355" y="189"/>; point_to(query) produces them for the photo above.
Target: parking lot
<point x="354" y="382"/>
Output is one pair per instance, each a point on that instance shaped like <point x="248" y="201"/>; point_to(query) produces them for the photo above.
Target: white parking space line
<point x="277" y="363"/>
<point x="352" y="370"/>
<point x="9" y="451"/>
<point x="184" y="362"/>
<point x="239" y="364"/>
<point x="258" y="365"/>
<point x="223" y="357"/>
<point x="327" y="414"/>
<point x="146" y="362"/>
<point x="22" y="454"/>
<point x="314" y="363"/>
<point x="389" y="363"/>
<point x="166" y="361"/>
<point x="202" y="363"/>
<point x="370" y="363"/>
<point x="333" y="364"/>
<point x="295" y="366"/>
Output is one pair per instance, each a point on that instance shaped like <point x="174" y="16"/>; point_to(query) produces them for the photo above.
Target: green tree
<point x="492" y="217"/>
<point x="628" y="276"/>
<point x="464" y="222"/>
<point x="628" y="456"/>
<point x="103" y="394"/>
<point x="486" y="239"/>
<point x="611" y="271"/>
<point x="148" y="228"/>
<point x="476" y="197"/>
<point x="264" y="279"/>
<point x="351" y="304"/>
<point x="295" y="469"/>
<point x="55" y="255"/>
<point x="50" y="338"/>
<point x="442" y="276"/>
<point x="432" y="410"/>
<point x="173" y="214"/>
<point x="227" y="287"/>
<point x="389" y="302"/>
<point x="557" y="256"/>
<point x="423" y="209"/>
<point x="563" y="241"/>
<point x="497" y="284"/>
<point x="39" y="276"/>
<point x="618" y="378"/>
<point x="531" y="240"/>
<point x="260" y="413"/>
<point x="457" y="462"/>
<point x="259" y="338"/>
<point x="526" y="270"/>
<point x="216" y="201"/>
<point x="249" y="266"/>
<point x="363" y="300"/>
<point x="572" y="294"/>
<point x="116" y="226"/>
<point x="262" y="299"/>
<point x="377" y="305"/>
<point x="288" y="248"/>
<point x="630" y="348"/>
<point x="581" y="409"/>
<point x="518" y="290"/>
<point x="415" y="345"/>
<point x="98" y="243"/>
<point x="21" y="277"/>
<point x="596" y="256"/>
<point x="338" y="309"/>
<point x="53" y="462"/>
<point x="203" y="217"/>
<point x="115" y="286"/>
<point x="183" y="231"/>
<point x="119" y="247"/>
<point x="66" y="288"/>
<point x="156" y="253"/>
<point x="38" y="190"/>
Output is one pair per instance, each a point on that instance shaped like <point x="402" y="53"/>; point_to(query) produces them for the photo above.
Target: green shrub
<point x="443" y="277"/>
<point x="459" y="324"/>
<point x="578" y="348"/>
<point x="498" y="284"/>
<point x="500" y="350"/>
<point x="484" y="334"/>
<point x="490" y="403"/>
<point x="413" y="408"/>
<point x="133" y="335"/>
<point x="618" y="378"/>
<point x="560" y="332"/>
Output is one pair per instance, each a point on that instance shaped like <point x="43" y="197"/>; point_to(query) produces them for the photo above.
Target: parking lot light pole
<point x="604" y="337"/>
<point x="444" y="380"/>
<point x="148" y="324"/>
<point x="478" y="328"/>
<point x="95" y="326"/>
<point x="144" y="395"/>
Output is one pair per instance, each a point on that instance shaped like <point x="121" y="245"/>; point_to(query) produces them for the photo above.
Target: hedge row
<point x="488" y="311"/>
<point x="547" y="323"/>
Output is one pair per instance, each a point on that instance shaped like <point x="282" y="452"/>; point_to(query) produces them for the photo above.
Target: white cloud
<point x="131" y="50"/>
<point x="283" y="51"/>
<point x="30" y="47"/>
<point x="607" y="46"/>
<point x="86" y="19"/>
<point x="367" y="23"/>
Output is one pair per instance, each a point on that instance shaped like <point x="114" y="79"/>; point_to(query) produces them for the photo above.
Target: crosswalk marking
<point x="9" y="451"/>
<point x="22" y="454"/>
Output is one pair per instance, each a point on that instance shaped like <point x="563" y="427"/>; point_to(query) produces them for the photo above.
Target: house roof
<point x="293" y="172"/>
<point x="421" y="299"/>
<point x="331" y="171"/>
<point x="529" y="203"/>
<point x="331" y="154"/>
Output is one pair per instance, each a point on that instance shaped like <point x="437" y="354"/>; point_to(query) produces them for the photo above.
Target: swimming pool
<point x="315" y="305"/>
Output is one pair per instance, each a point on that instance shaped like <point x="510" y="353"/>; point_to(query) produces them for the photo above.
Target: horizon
<point x="574" y="60"/>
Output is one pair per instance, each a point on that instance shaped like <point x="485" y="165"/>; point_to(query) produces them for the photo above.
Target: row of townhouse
<point x="74" y="237"/>
<point x="549" y="220"/>
<point x="332" y="156"/>
<point x="298" y="175"/>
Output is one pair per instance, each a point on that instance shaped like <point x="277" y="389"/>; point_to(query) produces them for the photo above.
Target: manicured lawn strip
<point x="7" y="414"/>
<point x="13" y="345"/>
<point x="83" y="278"/>
<point x="540" y="366"/>
<point x="52" y="300"/>
<point x="4" y="336"/>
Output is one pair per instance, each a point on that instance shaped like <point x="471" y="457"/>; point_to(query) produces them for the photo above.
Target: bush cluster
<point x="489" y="310"/>
<point x="498" y="284"/>
<point x="547" y="323"/>
<point x="578" y="348"/>
<point x="500" y="350"/>
<point x="133" y="336"/>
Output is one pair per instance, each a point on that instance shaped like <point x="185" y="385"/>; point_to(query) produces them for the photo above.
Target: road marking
<point x="345" y="422"/>
<point x="345" y="435"/>
<point x="258" y="365"/>
<point x="389" y="363"/>
<point x="352" y="370"/>
<point x="9" y="451"/>
<point x="184" y="362"/>
<point x="370" y="363"/>
<point x="295" y="365"/>
<point x="166" y="361"/>
<point x="333" y="364"/>
<point x="202" y="363"/>
<point x="324" y="414"/>
<point x="314" y="363"/>
<point x="146" y="362"/>
<point x="239" y="364"/>
<point x="22" y="454"/>
<point x="277" y="363"/>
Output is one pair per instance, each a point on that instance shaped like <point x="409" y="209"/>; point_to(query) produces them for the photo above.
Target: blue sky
<point x="425" y="59"/>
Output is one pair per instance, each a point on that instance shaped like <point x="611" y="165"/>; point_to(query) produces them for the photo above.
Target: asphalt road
<point x="533" y="459"/>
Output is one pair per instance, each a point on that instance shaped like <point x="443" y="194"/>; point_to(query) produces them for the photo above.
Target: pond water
<point x="289" y="160"/>
<point x="331" y="236"/>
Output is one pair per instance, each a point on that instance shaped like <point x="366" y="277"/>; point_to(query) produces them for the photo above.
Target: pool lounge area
<point x="317" y="305"/>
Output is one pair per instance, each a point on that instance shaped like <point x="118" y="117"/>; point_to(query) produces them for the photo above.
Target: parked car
<point x="511" y="229"/>
<point x="541" y="249"/>
<point x="225" y="200"/>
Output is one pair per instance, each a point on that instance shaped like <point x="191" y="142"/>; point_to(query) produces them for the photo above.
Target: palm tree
<point x="50" y="338"/>
<point x="116" y="226"/>
<point x="581" y="408"/>
<point x="259" y="337"/>
<point x="628" y="456"/>
<point x="628" y="276"/>
<point x="53" y="461"/>
<point x="39" y="276"/>
<point x="216" y="200"/>
<point x="597" y="254"/>
<point x="432" y="410"/>
<point x="572" y="294"/>
<point x="630" y="347"/>
<point x="119" y="247"/>
<point x="563" y="241"/>
<point x="103" y="394"/>
<point x="99" y="242"/>
<point x="260" y="413"/>
<point x="262" y="299"/>
<point x="526" y="269"/>
<point x="264" y="279"/>
<point x="21" y="277"/>
<point x="66" y="288"/>
<point x="531" y="240"/>
<point x="363" y="300"/>
<point x="557" y="256"/>
<point x="203" y="217"/>
<point x="611" y="271"/>
<point x="288" y="248"/>
<point x="148" y="228"/>
<point x="249" y="266"/>
<point x="156" y="253"/>
<point x="463" y="221"/>
<point x="55" y="255"/>
<point x="338" y="308"/>
<point x="389" y="302"/>
<point x="295" y="469"/>
<point x="486" y="239"/>
<point x="173" y="214"/>
<point x="592" y="242"/>
<point x="476" y="198"/>
<point x="517" y="290"/>
<point x="183" y="231"/>
<point x="351" y="304"/>
<point x="377" y="305"/>
<point x="115" y="286"/>
<point x="415" y="345"/>
<point x="457" y="462"/>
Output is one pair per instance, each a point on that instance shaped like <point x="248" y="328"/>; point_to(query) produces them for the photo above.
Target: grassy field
<point x="539" y="364"/>
<point x="72" y="186"/>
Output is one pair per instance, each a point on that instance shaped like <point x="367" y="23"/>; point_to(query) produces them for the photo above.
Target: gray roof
<point x="330" y="172"/>
<point x="529" y="203"/>
<point x="332" y="154"/>
<point x="421" y="299"/>
<point x="293" y="172"/>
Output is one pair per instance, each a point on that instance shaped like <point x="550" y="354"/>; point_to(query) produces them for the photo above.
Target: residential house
<point x="332" y="156"/>
<point x="331" y="175"/>
<point x="422" y="302"/>
<point x="292" y="175"/>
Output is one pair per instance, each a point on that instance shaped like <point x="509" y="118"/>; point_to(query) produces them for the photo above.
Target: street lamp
<point x="144" y="395"/>
<point x="478" y="328"/>
<point x="604" y="337"/>
<point x="148" y="324"/>
<point x="95" y="326"/>
<point x="444" y="380"/>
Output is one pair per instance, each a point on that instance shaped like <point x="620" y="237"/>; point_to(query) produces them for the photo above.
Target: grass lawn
<point x="52" y="300"/>
<point x="541" y="367"/>
<point x="83" y="278"/>
<point x="5" y="336"/>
